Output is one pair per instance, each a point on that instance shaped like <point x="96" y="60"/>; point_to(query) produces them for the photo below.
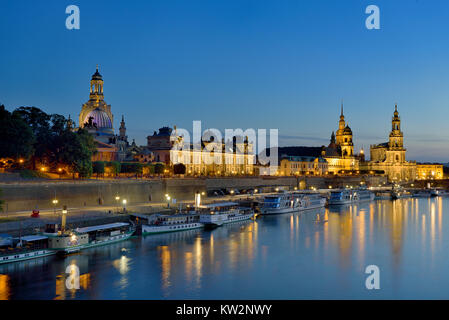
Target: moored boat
<point x="309" y="201"/>
<point x="25" y="248"/>
<point x="348" y="196"/>
<point x="383" y="195"/>
<point x="67" y="242"/>
<point x="400" y="194"/>
<point x="172" y="223"/>
<point x="217" y="214"/>
<point x="285" y="202"/>
<point x="422" y="194"/>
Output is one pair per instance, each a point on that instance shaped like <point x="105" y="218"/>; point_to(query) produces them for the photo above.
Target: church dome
<point x="347" y="130"/>
<point x="97" y="75"/>
<point x="100" y="118"/>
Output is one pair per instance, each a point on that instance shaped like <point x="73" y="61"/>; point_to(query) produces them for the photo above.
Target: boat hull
<point x="148" y="230"/>
<point x="26" y="256"/>
<point x="273" y="211"/>
<point x="96" y="243"/>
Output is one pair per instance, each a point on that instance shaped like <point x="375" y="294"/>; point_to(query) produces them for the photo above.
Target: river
<point x="317" y="254"/>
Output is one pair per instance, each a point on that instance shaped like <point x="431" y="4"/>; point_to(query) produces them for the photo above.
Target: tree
<point x="98" y="167"/>
<point x="148" y="169"/>
<point x="16" y="138"/>
<point x="132" y="167"/>
<point x="159" y="168"/>
<point x="179" y="168"/>
<point x="1" y="201"/>
<point x="39" y="123"/>
<point x="115" y="167"/>
<point x="75" y="149"/>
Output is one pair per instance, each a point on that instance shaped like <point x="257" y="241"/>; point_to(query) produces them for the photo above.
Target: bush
<point x="1" y="202"/>
<point x="132" y="167"/>
<point x="98" y="167"/>
<point x="159" y="168"/>
<point x="115" y="167"/>
<point x="30" y="174"/>
<point x="148" y="169"/>
<point x="179" y="168"/>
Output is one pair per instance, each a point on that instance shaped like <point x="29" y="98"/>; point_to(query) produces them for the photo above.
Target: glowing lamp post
<point x="117" y="198"/>
<point x="55" y="202"/>
<point x="168" y="200"/>
<point x="124" y="205"/>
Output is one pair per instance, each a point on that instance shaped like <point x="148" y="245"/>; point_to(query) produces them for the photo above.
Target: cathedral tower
<point x="96" y="86"/>
<point x="344" y="137"/>
<point x="122" y="130"/>
<point x="396" y="140"/>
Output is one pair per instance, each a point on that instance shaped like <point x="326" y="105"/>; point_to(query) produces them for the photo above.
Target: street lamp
<point x="124" y="205"/>
<point x="168" y="200"/>
<point x="55" y="202"/>
<point x="117" y="198"/>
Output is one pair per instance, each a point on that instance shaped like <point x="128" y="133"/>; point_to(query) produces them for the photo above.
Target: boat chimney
<point x="64" y="217"/>
<point x="197" y="200"/>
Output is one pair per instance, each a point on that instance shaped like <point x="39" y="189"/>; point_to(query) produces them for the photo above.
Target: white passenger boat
<point x="25" y="248"/>
<point x="311" y="201"/>
<point x="288" y="202"/>
<point x="348" y="196"/>
<point x="172" y="223"/>
<point x="422" y="194"/>
<point x="437" y="192"/>
<point x="400" y="194"/>
<point x="217" y="214"/>
<point x="383" y="195"/>
<point x="285" y="202"/>
<point x="71" y="241"/>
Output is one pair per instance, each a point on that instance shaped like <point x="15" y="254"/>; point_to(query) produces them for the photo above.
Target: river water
<point x="318" y="254"/>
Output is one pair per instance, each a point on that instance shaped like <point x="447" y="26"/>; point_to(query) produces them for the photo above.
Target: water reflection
<point x="314" y="254"/>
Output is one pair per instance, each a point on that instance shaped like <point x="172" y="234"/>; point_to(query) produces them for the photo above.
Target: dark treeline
<point x="33" y="139"/>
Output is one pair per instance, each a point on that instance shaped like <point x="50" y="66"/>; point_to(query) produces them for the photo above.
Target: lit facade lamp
<point x="117" y="199"/>
<point x="124" y="205"/>
<point x="167" y="197"/>
<point x="55" y="202"/>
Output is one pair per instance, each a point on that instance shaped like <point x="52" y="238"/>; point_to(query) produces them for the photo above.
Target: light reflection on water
<point x="316" y="254"/>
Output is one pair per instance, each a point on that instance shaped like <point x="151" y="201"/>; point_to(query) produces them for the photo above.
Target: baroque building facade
<point x="211" y="158"/>
<point x="96" y="117"/>
<point x="389" y="157"/>
<point x="339" y="154"/>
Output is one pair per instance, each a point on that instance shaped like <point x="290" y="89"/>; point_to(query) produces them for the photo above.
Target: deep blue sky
<point x="249" y="64"/>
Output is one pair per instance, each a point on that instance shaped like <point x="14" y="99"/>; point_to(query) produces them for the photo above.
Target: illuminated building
<point x="389" y="157"/>
<point x="96" y="117"/>
<point x="302" y="165"/>
<point x="234" y="158"/>
<point x="339" y="154"/>
<point x="429" y="171"/>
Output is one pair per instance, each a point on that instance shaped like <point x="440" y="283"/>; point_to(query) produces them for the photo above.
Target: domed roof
<point x="97" y="75"/>
<point x="100" y="118"/>
<point x="347" y="130"/>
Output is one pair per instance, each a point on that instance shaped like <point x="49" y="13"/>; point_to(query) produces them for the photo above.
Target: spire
<point x="122" y="129"/>
<point x="333" y="137"/>
<point x="342" y="117"/>
<point x="97" y="67"/>
<point x="396" y="113"/>
<point x="69" y="123"/>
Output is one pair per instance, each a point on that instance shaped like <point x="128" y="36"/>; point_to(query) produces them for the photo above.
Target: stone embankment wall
<point x="25" y="196"/>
